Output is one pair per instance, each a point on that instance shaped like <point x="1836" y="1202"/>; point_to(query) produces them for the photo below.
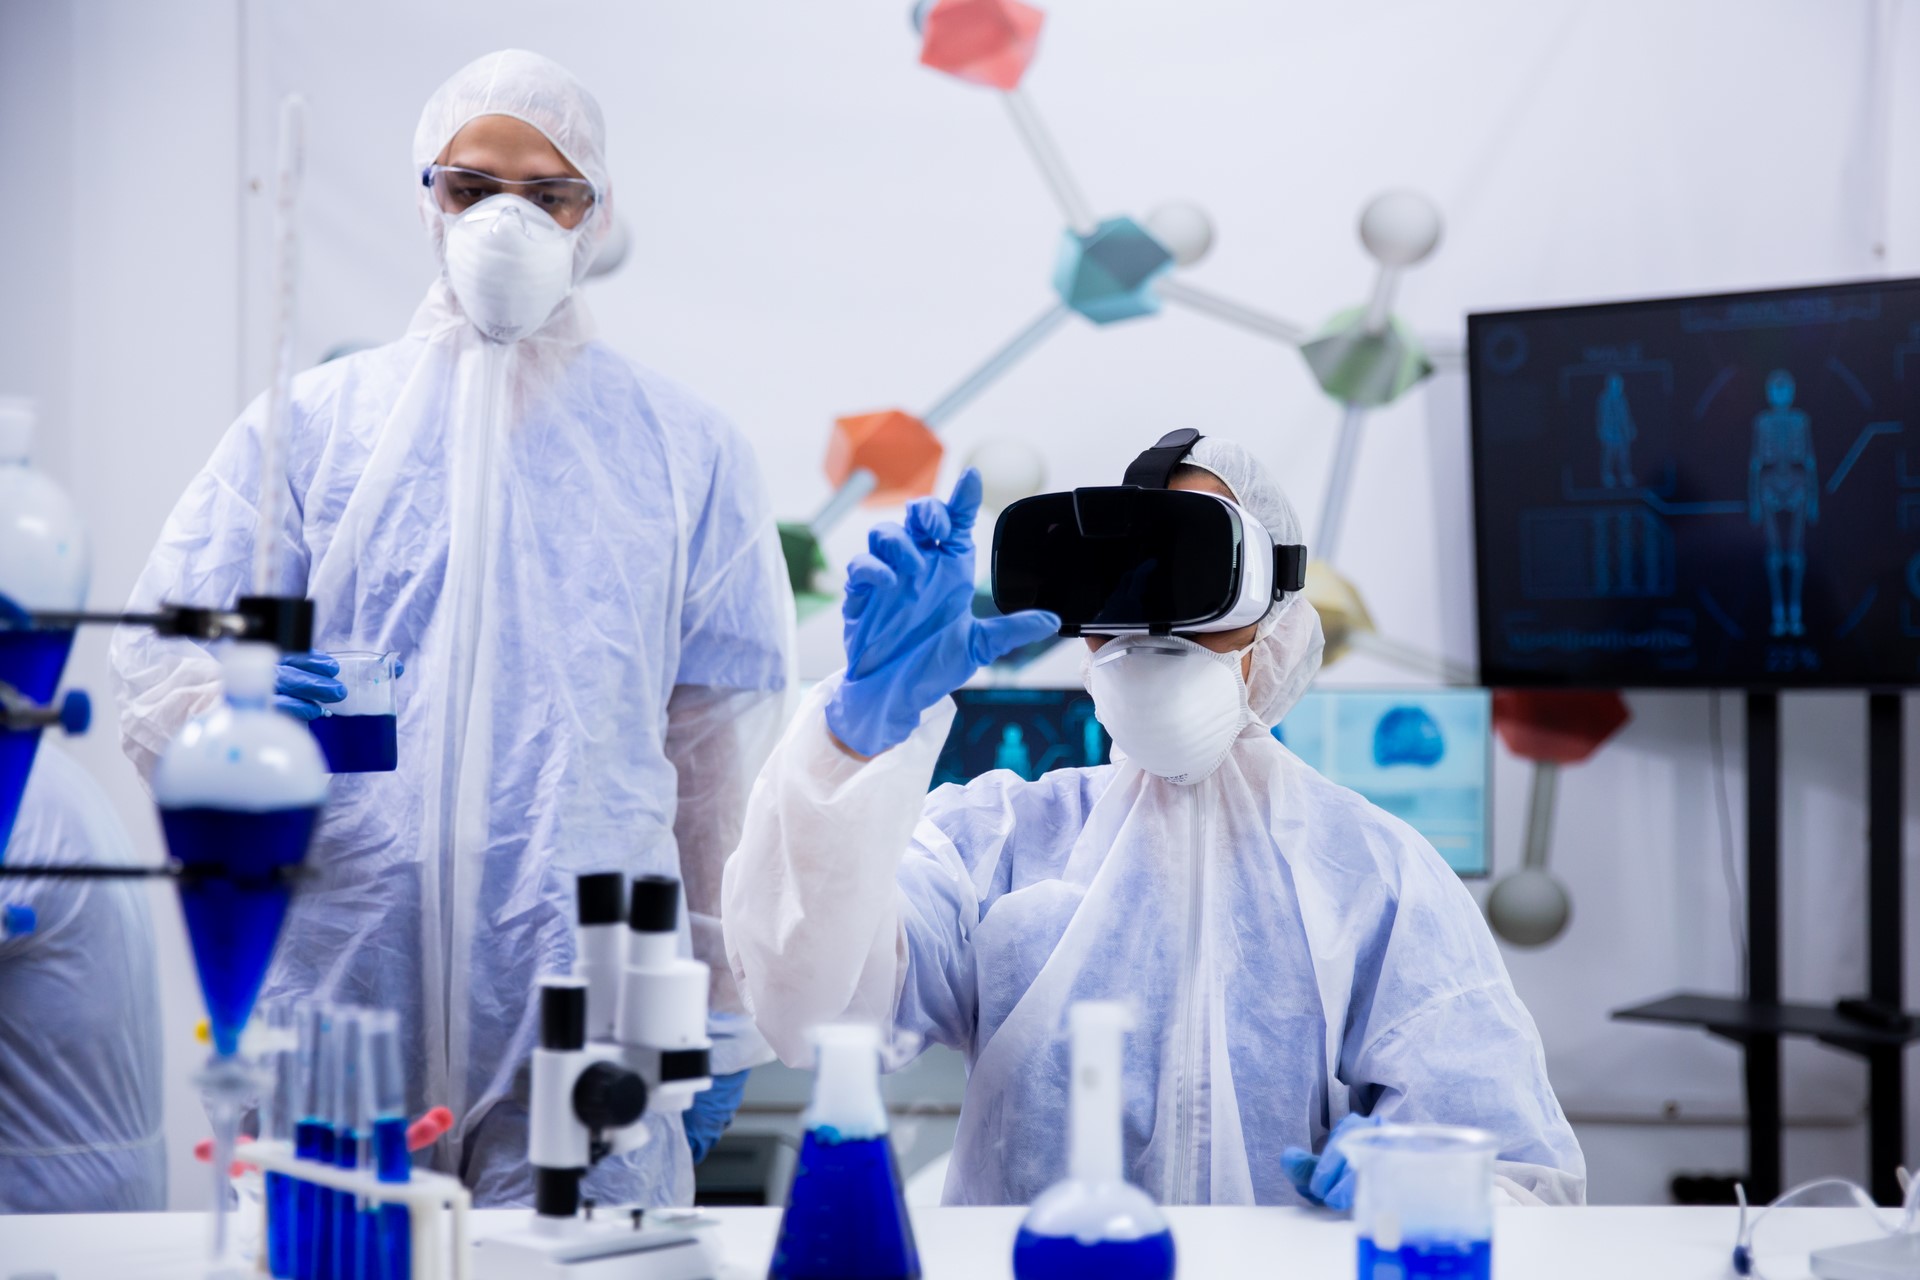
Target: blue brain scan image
<point x="1423" y="755"/>
<point x="1408" y="736"/>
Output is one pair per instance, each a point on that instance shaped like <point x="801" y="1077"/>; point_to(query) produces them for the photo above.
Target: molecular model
<point x="1114" y="269"/>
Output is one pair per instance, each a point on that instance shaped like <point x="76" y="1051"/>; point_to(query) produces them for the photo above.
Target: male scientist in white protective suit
<point x="574" y="558"/>
<point x="1302" y="963"/>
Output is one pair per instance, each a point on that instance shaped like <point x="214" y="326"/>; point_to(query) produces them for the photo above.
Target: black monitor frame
<point x="1495" y="674"/>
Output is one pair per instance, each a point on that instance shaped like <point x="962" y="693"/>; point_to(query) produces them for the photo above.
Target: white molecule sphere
<point x="1009" y="471"/>
<point x="1400" y="228"/>
<point x="1185" y="229"/>
<point x="1528" y="908"/>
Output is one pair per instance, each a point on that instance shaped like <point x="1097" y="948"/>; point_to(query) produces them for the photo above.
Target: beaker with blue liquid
<point x="1423" y="1201"/>
<point x="361" y="733"/>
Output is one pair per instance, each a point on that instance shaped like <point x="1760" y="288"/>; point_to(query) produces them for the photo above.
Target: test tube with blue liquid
<point x="343" y="1224"/>
<point x="386" y="1225"/>
<point x="277" y="1119"/>
<point x="1423" y="1202"/>
<point x="1094" y="1223"/>
<point x="360" y="733"/>
<point x="846" y="1216"/>
<point x="313" y="1140"/>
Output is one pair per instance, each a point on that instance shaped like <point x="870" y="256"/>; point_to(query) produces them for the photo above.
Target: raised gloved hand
<point x="908" y="620"/>
<point x="303" y="682"/>
<point x="1326" y="1179"/>
<point x="712" y="1111"/>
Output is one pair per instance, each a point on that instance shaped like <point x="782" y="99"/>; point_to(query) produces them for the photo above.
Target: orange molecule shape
<point x="1557" y="726"/>
<point x="895" y="446"/>
<point x="988" y="42"/>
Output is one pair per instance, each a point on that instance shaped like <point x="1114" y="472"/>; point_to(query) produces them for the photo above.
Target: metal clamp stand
<point x="1876" y="1028"/>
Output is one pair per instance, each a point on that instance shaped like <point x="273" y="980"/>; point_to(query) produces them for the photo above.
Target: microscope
<point x="622" y="1038"/>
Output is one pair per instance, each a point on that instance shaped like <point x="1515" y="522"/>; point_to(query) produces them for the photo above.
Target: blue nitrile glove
<point x="1326" y="1179"/>
<point x="305" y="680"/>
<point x="908" y="620"/>
<point x="711" y="1112"/>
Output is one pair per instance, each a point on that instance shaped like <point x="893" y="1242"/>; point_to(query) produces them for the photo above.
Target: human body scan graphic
<point x="1783" y="494"/>
<point x="1613" y="422"/>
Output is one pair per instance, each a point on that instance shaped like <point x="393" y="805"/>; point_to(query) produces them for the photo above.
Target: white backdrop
<point x="824" y="227"/>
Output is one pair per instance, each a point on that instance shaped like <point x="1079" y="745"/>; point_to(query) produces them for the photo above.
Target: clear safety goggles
<point x="566" y="200"/>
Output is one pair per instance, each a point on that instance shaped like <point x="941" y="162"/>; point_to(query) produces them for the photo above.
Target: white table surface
<point x="957" y="1243"/>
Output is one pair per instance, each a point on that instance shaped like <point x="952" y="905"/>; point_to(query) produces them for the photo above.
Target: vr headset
<point x="1140" y="557"/>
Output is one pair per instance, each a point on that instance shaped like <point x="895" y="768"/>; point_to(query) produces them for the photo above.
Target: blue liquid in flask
<point x="1038" y="1257"/>
<point x="846" y="1218"/>
<point x="233" y="919"/>
<point x="30" y="661"/>
<point x="358" y="744"/>
<point x="1427" y="1260"/>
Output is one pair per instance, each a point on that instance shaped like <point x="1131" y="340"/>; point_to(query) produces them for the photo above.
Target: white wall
<point x="825" y="227"/>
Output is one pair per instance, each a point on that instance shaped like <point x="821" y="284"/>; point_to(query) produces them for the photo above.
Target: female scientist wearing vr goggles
<point x="1302" y="961"/>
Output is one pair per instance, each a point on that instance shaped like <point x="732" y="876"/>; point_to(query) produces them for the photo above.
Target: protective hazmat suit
<point x="575" y="559"/>
<point x="1295" y="954"/>
<point x="80" y="1093"/>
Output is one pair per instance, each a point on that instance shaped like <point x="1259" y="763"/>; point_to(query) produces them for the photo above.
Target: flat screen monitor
<point x="1712" y="492"/>
<point x="1422" y="754"/>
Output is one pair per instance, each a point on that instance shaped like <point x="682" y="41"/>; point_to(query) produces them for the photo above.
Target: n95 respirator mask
<point x="1174" y="707"/>
<point x="509" y="264"/>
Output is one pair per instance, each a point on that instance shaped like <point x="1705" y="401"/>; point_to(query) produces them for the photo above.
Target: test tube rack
<point x="425" y="1195"/>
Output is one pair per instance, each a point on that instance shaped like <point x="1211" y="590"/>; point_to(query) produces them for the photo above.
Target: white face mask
<point x="509" y="264"/>
<point x="1173" y="707"/>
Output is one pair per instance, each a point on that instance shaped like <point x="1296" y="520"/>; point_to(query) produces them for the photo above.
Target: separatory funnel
<point x="238" y="791"/>
<point x="1094" y="1223"/>
<point x="43" y="566"/>
<point x="846" y="1218"/>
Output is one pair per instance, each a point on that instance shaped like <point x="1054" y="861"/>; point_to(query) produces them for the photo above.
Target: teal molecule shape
<point x="1108" y="274"/>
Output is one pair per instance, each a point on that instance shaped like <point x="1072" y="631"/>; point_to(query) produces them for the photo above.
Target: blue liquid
<point x="346" y="1214"/>
<point x="1427" y="1260"/>
<point x="358" y="744"/>
<point x="280" y="1227"/>
<point x="312" y="1140"/>
<point x="1037" y="1257"/>
<point x="845" y="1218"/>
<point x="31" y="662"/>
<point x="393" y="1163"/>
<point x="233" y="924"/>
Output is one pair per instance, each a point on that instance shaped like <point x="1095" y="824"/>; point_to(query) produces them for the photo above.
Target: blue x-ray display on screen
<point x="1717" y="492"/>
<point x="1421" y="754"/>
<point x="1030" y="731"/>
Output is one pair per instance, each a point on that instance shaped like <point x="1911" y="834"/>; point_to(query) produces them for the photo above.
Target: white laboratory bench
<point x="961" y="1243"/>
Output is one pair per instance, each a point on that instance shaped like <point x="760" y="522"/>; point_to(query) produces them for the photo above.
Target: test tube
<point x="347" y="1134"/>
<point x="385" y="1086"/>
<point x="313" y="1140"/>
<point x="283" y="1019"/>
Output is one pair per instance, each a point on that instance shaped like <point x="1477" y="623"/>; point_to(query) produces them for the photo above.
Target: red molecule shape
<point x="896" y="446"/>
<point x="1556" y="726"/>
<point x="987" y="42"/>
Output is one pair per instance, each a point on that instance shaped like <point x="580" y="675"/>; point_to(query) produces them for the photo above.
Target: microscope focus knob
<point x="609" y="1097"/>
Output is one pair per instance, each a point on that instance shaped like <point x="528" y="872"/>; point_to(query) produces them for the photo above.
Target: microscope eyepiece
<point x="656" y="904"/>
<point x="600" y="895"/>
<point x="563" y="1014"/>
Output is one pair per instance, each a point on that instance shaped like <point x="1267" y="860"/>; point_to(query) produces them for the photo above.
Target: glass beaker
<point x="1423" y="1202"/>
<point x="360" y="733"/>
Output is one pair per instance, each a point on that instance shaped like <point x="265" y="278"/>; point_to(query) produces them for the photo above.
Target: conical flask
<point x="43" y="565"/>
<point x="238" y="792"/>
<point x="1094" y="1222"/>
<point x="846" y="1218"/>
